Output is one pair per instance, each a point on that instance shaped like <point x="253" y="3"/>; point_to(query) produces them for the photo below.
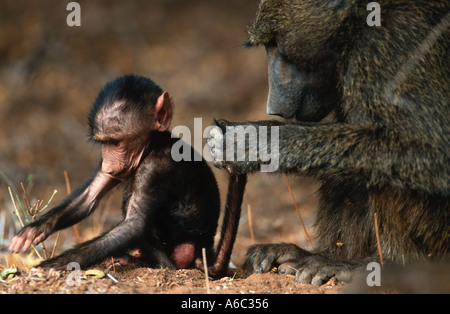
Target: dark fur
<point x="165" y="203"/>
<point x="139" y="91"/>
<point x="230" y="225"/>
<point x="176" y="202"/>
<point x="387" y="152"/>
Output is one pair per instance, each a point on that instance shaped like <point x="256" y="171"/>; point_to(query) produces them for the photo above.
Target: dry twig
<point x="250" y="224"/>
<point x="206" y="271"/>
<point x="378" y="238"/>
<point x="298" y="212"/>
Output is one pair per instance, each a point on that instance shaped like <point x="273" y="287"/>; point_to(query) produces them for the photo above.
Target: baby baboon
<point x="170" y="209"/>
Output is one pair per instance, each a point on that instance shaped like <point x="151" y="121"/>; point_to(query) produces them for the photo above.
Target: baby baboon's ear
<point x="163" y="113"/>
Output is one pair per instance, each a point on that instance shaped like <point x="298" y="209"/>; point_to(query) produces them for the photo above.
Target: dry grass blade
<point x="206" y="271"/>
<point x="250" y="224"/>
<point x="298" y="212"/>
<point x="48" y="203"/>
<point x="30" y="208"/>
<point x="54" y="245"/>
<point x="16" y="212"/>
<point x="69" y="190"/>
<point x="378" y="238"/>
<point x="24" y="212"/>
<point x="66" y="179"/>
<point x="30" y="212"/>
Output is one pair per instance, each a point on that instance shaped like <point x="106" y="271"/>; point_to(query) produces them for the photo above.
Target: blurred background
<point x="50" y="74"/>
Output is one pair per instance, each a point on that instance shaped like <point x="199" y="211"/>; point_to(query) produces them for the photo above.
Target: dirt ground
<point x="159" y="281"/>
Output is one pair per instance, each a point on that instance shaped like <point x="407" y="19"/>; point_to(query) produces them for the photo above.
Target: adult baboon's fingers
<point x="287" y="269"/>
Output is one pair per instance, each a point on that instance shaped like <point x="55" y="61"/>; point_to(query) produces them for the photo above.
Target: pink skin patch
<point x="183" y="255"/>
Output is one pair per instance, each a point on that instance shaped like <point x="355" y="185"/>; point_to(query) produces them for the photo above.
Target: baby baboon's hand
<point x="32" y="234"/>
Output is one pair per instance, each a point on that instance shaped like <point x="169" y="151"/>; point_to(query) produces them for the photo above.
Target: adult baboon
<point x="388" y="150"/>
